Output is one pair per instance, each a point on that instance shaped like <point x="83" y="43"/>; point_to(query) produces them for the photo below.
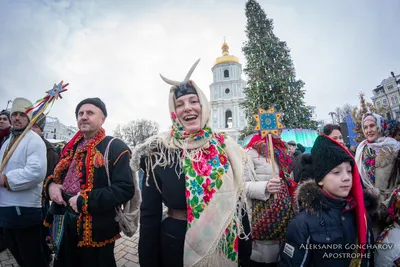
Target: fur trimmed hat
<point x="326" y="155"/>
<point x="20" y="105"/>
<point x="94" y="101"/>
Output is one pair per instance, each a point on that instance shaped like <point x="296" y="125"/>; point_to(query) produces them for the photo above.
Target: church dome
<point x="225" y="56"/>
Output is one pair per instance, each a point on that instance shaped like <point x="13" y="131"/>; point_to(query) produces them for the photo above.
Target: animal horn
<point x="191" y="71"/>
<point x="171" y="82"/>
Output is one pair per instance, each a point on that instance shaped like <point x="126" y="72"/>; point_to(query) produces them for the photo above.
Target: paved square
<point x="126" y="253"/>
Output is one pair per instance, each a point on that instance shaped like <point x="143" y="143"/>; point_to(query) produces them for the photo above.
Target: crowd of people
<point x="206" y="201"/>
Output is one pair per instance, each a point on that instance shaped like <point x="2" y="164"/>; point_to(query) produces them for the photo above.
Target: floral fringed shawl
<point x="213" y="166"/>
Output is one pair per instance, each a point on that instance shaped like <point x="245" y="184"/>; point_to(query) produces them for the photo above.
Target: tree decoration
<point x="271" y="74"/>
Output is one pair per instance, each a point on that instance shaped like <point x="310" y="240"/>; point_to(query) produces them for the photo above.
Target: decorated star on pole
<point x="268" y="122"/>
<point x="40" y="107"/>
<point x="57" y="90"/>
<point x="51" y="95"/>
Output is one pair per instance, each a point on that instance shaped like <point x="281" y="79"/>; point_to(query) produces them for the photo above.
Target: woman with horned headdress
<point x="198" y="175"/>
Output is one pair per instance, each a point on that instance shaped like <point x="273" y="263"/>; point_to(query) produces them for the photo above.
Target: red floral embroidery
<point x="208" y="191"/>
<point x="173" y="115"/>
<point x="236" y="244"/>
<point x="221" y="138"/>
<point x="201" y="167"/>
<point x="190" y="216"/>
<point x="222" y="159"/>
<point x="187" y="193"/>
<point x="211" y="152"/>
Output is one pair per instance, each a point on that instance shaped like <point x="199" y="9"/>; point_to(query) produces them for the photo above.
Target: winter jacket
<point x="385" y="256"/>
<point x="20" y="198"/>
<point x="25" y="172"/>
<point x="263" y="251"/>
<point x="52" y="157"/>
<point x="324" y="231"/>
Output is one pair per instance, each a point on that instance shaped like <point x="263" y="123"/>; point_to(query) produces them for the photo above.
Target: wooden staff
<point x="272" y="157"/>
<point x="20" y="137"/>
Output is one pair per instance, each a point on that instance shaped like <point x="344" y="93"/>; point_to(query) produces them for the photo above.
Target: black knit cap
<point x="6" y="113"/>
<point x="326" y="155"/>
<point x="184" y="89"/>
<point x="94" y="101"/>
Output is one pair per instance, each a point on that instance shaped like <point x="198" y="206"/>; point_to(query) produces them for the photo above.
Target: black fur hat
<point x="326" y="155"/>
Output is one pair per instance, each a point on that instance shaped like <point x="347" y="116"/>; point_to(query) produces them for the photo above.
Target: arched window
<point x="228" y="119"/>
<point x="226" y="73"/>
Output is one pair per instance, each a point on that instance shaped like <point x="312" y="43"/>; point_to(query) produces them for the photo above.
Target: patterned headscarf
<point x="392" y="128"/>
<point x="394" y="212"/>
<point x="380" y="122"/>
<point x="394" y="206"/>
<point x="283" y="159"/>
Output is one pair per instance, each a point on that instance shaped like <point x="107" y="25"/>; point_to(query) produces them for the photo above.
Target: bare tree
<point x="342" y="112"/>
<point x="137" y="131"/>
<point x="321" y="123"/>
<point x="347" y="109"/>
<point x="339" y="115"/>
<point x="118" y="132"/>
<point x="333" y="115"/>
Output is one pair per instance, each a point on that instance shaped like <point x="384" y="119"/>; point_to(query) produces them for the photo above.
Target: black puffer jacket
<point x="324" y="230"/>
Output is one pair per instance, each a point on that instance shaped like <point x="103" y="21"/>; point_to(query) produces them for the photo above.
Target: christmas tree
<point x="365" y="107"/>
<point x="271" y="77"/>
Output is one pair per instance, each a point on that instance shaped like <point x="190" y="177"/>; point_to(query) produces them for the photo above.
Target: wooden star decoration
<point x="268" y="122"/>
<point x="56" y="91"/>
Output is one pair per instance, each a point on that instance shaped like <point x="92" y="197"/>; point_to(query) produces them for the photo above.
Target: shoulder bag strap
<point x="106" y="161"/>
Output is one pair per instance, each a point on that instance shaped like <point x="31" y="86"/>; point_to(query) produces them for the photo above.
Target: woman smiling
<point x="197" y="174"/>
<point x="375" y="158"/>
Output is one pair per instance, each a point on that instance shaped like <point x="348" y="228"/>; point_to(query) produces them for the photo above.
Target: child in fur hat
<point x="390" y="236"/>
<point x="332" y="227"/>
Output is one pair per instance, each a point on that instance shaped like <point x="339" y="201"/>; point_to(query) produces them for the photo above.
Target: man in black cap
<point x="5" y="126"/>
<point x="80" y="190"/>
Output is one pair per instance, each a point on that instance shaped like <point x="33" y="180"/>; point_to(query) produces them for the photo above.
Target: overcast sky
<point x="115" y="50"/>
